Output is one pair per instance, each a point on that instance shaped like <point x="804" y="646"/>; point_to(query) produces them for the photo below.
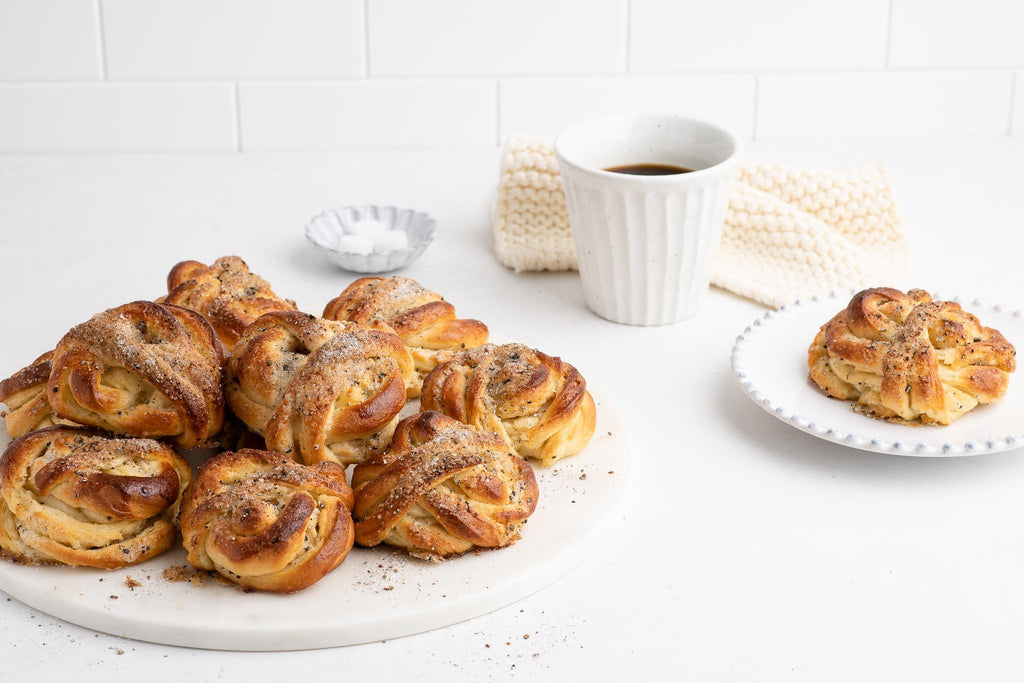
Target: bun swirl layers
<point x="226" y="293"/>
<point x="266" y="522"/>
<point x="24" y="393"/>
<point x="318" y="389"/>
<point x="442" y="489"/>
<point x="903" y="357"/>
<point x="73" y="496"/>
<point x="142" y="369"/>
<point x="537" y="403"/>
<point x="425" y="322"/>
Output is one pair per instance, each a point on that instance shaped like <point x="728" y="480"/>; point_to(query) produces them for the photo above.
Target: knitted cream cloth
<point x="788" y="232"/>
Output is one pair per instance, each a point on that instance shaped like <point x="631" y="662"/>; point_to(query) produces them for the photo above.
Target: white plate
<point x="770" y="362"/>
<point x="376" y="593"/>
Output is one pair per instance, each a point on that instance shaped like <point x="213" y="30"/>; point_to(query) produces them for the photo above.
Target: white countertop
<point x="744" y="550"/>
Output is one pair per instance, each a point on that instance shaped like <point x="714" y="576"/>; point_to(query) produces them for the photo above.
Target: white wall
<point x="140" y="75"/>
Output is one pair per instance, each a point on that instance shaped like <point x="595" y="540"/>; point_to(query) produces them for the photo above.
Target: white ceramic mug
<point x="646" y="244"/>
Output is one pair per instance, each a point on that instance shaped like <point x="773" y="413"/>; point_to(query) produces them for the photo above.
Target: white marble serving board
<point x="376" y="594"/>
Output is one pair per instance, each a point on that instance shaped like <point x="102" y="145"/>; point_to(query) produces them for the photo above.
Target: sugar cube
<point x="365" y="227"/>
<point x="355" y="244"/>
<point x="390" y="240"/>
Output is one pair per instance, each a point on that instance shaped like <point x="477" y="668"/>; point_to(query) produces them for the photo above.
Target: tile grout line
<point x="101" y="48"/>
<point x="888" y="34"/>
<point x="485" y="78"/>
<point x="629" y="33"/>
<point x="405" y="79"/>
<point x="365" y="6"/>
<point x="412" y="77"/>
<point x="237" y="117"/>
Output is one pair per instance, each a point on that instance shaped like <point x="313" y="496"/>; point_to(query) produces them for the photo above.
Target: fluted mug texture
<point x="646" y="245"/>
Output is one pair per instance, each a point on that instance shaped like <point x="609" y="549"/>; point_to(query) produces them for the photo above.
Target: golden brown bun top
<point x="81" y="469"/>
<point x="239" y="473"/>
<point x="307" y="383"/>
<point x="904" y="356"/>
<point x="24" y="394"/>
<point x="913" y="324"/>
<point x="520" y="381"/>
<point x="226" y="292"/>
<point x="86" y="498"/>
<point x="467" y="480"/>
<point x="879" y="313"/>
<point x="163" y="348"/>
<point x="422" y="318"/>
<point x="33" y="375"/>
<point x="267" y="522"/>
<point x="538" y="402"/>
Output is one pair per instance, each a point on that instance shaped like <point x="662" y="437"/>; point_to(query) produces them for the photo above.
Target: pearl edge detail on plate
<point x="812" y="427"/>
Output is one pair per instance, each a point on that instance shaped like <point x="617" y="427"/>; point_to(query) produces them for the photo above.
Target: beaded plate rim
<point x="911" y="447"/>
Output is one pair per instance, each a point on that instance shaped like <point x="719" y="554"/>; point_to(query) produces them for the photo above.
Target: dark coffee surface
<point x="649" y="169"/>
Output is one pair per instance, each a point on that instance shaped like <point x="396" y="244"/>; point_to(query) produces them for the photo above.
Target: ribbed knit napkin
<point x="788" y="232"/>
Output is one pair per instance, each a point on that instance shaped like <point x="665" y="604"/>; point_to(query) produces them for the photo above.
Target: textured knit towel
<point x="788" y="232"/>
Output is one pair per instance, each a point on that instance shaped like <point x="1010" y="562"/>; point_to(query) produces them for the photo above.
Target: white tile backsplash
<point x="863" y="104"/>
<point x="496" y="37"/>
<point x="204" y="39"/>
<point x="116" y="117"/>
<point x="1017" y="120"/>
<point x="129" y="75"/>
<point x="544" y="106"/>
<point x="47" y="40"/>
<point x="700" y="35"/>
<point x="944" y="33"/>
<point x="389" y="114"/>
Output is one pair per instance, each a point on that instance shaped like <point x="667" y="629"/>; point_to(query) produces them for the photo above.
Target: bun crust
<point x="538" y="403"/>
<point x="141" y="369"/>
<point x="904" y="357"/>
<point x="442" y="489"/>
<point x="266" y="522"/>
<point x="75" y="496"/>
<point x="424" y="321"/>
<point x="318" y="389"/>
<point x="226" y="293"/>
<point x="24" y="394"/>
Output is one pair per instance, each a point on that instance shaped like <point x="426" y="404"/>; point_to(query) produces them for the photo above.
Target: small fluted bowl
<point x="325" y="230"/>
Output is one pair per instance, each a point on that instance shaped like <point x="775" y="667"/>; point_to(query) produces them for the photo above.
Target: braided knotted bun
<point x="141" y="369"/>
<point x="226" y="293"/>
<point x="424" y="321"/>
<point x="538" y="403"/>
<point x="902" y="356"/>
<point x="264" y="521"/>
<point x="24" y="394"/>
<point x="74" y="496"/>
<point x="319" y="389"/>
<point x="443" y="488"/>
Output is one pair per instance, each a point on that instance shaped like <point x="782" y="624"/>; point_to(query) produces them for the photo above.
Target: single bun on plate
<point x="74" y="496"/>
<point x="226" y="293"/>
<point x="538" y="403"/>
<point x="318" y="389"/>
<point x="265" y="522"/>
<point x="906" y="358"/>
<point x="24" y="394"/>
<point x="442" y="489"/>
<point x="141" y="369"/>
<point x="425" y="322"/>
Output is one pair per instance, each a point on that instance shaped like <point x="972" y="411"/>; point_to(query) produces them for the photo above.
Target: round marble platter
<point x="769" y="360"/>
<point x="376" y="594"/>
